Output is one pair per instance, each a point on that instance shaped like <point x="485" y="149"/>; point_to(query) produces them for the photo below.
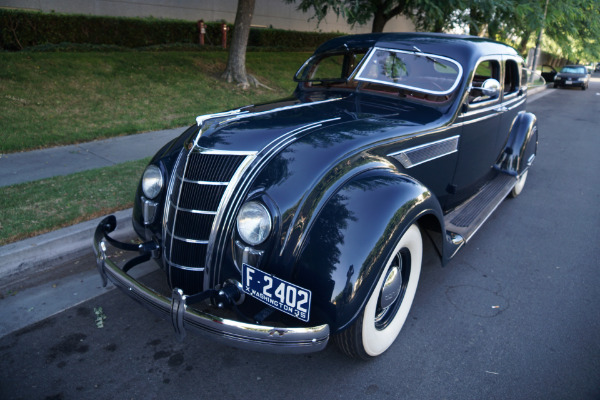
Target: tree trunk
<point x="379" y="21"/>
<point x="236" y="62"/>
<point x="523" y="44"/>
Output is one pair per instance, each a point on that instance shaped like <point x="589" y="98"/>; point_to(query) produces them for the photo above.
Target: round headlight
<point x="152" y="181"/>
<point x="254" y="223"/>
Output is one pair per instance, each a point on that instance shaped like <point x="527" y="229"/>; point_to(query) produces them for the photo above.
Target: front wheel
<point x="386" y="310"/>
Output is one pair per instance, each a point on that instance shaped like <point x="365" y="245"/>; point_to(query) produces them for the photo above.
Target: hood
<point x="253" y="128"/>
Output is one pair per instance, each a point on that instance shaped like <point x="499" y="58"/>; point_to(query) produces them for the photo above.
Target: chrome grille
<point x="195" y="194"/>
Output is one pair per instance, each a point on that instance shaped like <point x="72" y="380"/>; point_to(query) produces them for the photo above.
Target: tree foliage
<point x="361" y="12"/>
<point x="573" y="26"/>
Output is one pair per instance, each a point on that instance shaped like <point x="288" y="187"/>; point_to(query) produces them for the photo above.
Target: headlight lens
<point x="254" y="223"/>
<point x="152" y="181"/>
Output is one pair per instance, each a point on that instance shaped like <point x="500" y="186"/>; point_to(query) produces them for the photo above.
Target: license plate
<point x="277" y="293"/>
<point x="569" y="82"/>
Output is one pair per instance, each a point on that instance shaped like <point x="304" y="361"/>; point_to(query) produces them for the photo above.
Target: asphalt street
<point x="512" y="316"/>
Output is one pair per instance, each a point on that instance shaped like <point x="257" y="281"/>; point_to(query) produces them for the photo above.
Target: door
<point x="479" y="144"/>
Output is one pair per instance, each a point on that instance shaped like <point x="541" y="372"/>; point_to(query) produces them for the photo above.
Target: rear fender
<point x="352" y="236"/>
<point x="521" y="147"/>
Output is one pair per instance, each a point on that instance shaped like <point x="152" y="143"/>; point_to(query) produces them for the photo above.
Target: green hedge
<point x="24" y="29"/>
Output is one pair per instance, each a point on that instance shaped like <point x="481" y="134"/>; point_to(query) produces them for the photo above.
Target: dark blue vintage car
<point x="279" y="226"/>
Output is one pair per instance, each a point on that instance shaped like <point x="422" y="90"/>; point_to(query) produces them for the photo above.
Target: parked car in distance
<point x="597" y="67"/>
<point x="572" y="76"/>
<point x="548" y="73"/>
<point x="279" y="226"/>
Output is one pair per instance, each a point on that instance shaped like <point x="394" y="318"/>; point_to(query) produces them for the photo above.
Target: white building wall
<point x="267" y="13"/>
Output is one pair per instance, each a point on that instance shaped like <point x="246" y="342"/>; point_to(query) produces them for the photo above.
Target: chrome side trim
<point x="472" y="121"/>
<point x="426" y="152"/>
<point x="471" y="113"/>
<point x="492" y="110"/>
<point x="294" y="340"/>
<point x="517" y="103"/>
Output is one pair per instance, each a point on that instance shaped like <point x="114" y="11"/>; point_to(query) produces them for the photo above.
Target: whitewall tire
<point x="389" y="303"/>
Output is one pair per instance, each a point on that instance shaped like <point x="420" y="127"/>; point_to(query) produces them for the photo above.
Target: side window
<point x="488" y="69"/>
<point x="511" y="77"/>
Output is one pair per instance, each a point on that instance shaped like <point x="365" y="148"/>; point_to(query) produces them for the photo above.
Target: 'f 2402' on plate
<point x="277" y="293"/>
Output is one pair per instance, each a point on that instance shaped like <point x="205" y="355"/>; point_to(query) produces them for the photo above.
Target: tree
<point x="438" y="15"/>
<point x="358" y="11"/>
<point x="573" y="25"/>
<point x="236" y="60"/>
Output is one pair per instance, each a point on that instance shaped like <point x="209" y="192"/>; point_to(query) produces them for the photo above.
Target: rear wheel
<point x="518" y="188"/>
<point x="386" y="310"/>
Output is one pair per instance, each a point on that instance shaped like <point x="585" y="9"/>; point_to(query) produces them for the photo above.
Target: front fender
<point x="345" y="250"/>
<point x="521" y="147"/>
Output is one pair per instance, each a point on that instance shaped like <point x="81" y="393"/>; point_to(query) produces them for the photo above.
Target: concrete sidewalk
<point x="64" y="160"/>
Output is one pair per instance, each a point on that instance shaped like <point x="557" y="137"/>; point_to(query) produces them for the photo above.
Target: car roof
<point x="463" y="48"/>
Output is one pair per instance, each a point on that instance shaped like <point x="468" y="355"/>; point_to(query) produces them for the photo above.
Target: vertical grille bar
<point x="195" y="193"/>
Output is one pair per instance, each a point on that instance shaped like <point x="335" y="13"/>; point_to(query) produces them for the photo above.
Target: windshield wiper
<point x="418" y="51"/>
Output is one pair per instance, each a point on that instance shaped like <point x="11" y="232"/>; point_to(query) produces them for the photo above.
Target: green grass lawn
<point x="49" y="99"/>
<point x="34" y="208"/>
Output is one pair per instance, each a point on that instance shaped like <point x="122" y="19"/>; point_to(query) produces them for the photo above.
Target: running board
<point x="465" y="220"/>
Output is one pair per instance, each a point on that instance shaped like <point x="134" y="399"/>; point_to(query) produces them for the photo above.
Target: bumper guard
<point x="183" y="317"/>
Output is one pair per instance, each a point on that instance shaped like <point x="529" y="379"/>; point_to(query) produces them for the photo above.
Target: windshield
<point x="426" y="73"/>
<point x="573" y="70"/>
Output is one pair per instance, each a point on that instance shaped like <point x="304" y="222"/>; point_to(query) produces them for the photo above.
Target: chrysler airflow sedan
<point x="280" y="226"/>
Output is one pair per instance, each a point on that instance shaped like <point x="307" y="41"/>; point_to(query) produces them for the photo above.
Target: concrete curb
<point x="51" y="249"/>
<point x="538" y="89"/>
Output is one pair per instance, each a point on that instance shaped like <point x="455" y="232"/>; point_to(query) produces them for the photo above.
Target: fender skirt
<point x="521" y="147"/>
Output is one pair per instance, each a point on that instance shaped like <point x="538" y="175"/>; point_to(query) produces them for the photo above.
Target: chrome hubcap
<point x="391" y="289"/>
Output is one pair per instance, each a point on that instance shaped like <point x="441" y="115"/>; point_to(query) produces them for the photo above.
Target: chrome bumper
<point x="183" y="317"/>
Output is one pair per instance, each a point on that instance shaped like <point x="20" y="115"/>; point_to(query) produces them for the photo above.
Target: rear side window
<point x="511" y="77"/>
